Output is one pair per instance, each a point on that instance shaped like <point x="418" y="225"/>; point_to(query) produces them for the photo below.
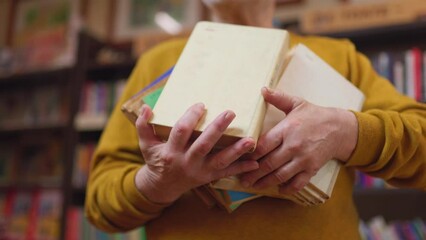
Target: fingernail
<point x="201" y="105"/>
<point x="248" y="144"/>
<point x="229" y="115"/>
<point x="267" y="90"/>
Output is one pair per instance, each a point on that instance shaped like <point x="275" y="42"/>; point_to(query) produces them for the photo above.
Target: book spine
<point x="281" y="63"/>
<point x="417" y="73"/>
<point x="205" y="196"/>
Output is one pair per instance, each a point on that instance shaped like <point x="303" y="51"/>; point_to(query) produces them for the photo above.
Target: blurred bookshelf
<point x="398" y="53"/>
<point x="46" y="129"/>
<point x="396" y="47"/>
<point x="399" y="35"/>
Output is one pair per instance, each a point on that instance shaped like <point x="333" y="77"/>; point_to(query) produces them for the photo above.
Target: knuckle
<point x="181" y="128"/>
<point x="167" y="158"/>
<point x="203" y="148"/>
<point x="280" y="177"/>
<point x="293" y="124"/>
<point x="218" y="126"/>
<point x="295" y="147"/>
<point x="304" y="162"/>
<point x="220" y="164"/>
<point x="267" y="165"/>
<point x="261" y="147"/>
<point x="310" y="164"/>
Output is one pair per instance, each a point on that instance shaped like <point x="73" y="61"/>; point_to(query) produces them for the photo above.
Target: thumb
<point x="280" y="100"/>
<point x="145" y="131"/>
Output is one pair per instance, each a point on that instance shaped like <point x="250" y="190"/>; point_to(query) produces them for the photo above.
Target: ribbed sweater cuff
<point x="370" y="141"/>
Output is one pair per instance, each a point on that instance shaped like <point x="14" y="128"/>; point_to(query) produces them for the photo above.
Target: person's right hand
<point x="178" y="165"/>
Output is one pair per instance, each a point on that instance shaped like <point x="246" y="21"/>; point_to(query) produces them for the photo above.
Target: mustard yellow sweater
<point x="391" y="145"/>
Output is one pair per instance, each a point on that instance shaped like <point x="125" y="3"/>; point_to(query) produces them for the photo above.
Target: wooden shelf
<point x="392" y="204"/>
<point x="37" y="76"/>
<point x="29" y="186"/>
<point x="127" y="64"/>
<point x="90" y="122"/>
<point x="78" y="196"/>
<point x="60" y="127"/>
<point x="111" y="71"/>
<point x="385" y="36"/>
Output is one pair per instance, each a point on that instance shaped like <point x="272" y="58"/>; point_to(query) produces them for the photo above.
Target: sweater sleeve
<point x="392" y="129"/>
<point x="113" y="203"/>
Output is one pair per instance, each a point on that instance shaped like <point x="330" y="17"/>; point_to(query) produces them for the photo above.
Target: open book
<point x="212" y="72"/>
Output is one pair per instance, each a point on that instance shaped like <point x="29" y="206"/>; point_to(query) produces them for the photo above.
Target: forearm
<point x="392" y="146"/>
<point x="392" y="130"/>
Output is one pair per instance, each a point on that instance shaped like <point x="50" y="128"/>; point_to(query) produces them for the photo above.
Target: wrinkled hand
<point x="297" y="147"/>
<point x="178" y="165"/>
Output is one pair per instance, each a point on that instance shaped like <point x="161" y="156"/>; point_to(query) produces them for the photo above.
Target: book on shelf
<point x="34" y="214"/>
<point x="47" y="108"/>
<point x="405" y="69"/>
<point x="378" y="228"/>
<point x="96" y="103"/>
<point x="39" y="161"/>
<point x="83" y="155"/>
<point x="299" y="72"/>
<point x="49" y="211"/>
<point x="22" y="213"/>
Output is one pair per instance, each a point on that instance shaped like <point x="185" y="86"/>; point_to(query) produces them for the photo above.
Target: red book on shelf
<point x="73" y="228"/>
<point x="33" y="215"/>
<point x="417" y="73"/>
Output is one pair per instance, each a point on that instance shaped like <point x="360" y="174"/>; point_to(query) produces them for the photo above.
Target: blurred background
<point x="64" y="63"/>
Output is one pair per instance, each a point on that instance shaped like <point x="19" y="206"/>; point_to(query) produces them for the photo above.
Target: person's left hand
<point x="294" y="150"/>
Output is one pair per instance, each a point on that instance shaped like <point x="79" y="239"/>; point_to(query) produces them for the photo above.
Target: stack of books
<point x="225" y="66"/>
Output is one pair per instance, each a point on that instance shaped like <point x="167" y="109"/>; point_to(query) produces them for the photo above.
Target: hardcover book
<point x="223" y="66"/>
<point x="305" y="75"/>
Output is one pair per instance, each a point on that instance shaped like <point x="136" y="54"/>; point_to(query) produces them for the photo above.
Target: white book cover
<point x="309" y="77"/>
<point x="223" y="66"/>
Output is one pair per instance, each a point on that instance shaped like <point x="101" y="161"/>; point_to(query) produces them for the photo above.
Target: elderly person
<point x="137" y="180"/>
